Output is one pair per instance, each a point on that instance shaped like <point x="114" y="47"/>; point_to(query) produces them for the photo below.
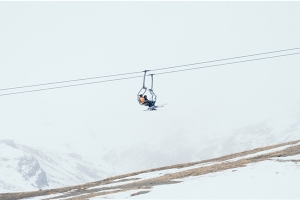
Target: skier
<point x="145" y="101"/>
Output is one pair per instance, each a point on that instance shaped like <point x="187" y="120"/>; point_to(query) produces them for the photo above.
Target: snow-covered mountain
<point x="26" y="168"/>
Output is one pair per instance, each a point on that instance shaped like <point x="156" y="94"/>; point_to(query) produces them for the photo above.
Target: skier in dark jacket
<point x="145" y="101"/>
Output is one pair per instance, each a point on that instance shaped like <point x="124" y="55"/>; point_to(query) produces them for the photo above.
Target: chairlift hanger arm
<point x="151" y="81"/>
<point x="145" y="73"/>
<point x="143" y="90"/>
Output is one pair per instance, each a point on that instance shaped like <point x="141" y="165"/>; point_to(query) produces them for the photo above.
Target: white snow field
<point x="275" y="177"/>
<point x="270" y="179"/>
<point x="265" y="180"/>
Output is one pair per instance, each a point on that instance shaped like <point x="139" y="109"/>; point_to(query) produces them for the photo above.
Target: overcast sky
<point x="43" y="42"/>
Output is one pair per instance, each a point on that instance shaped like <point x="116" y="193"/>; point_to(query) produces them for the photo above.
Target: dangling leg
<point x="149" y="103"/>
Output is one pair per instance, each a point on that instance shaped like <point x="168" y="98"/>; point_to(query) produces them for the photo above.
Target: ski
<point x="154" y="108"/>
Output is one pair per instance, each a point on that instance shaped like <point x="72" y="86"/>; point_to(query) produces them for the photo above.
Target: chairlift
<point x="144" y="89"/>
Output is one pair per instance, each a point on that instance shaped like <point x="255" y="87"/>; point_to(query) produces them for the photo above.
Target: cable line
<point x="181" y="70"/>
<point x="74" y="85"/>
<point x="58" y="82"/>
<point x="198" y="63"/>
<point x="129" y="73"/>
<point x="118" y="79"/>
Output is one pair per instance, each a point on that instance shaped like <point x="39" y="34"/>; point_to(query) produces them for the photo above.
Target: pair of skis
<point x="153" y="108"/>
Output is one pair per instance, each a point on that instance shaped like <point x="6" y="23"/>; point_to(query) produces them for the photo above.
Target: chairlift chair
<point x="143" y="90"/>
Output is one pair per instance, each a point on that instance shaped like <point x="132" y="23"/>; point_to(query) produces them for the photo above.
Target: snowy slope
<point x="25" y="168"/>
<point x="265" y="180"/>
<point x="274" y="178"/>
<point x="263" y="173"/>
